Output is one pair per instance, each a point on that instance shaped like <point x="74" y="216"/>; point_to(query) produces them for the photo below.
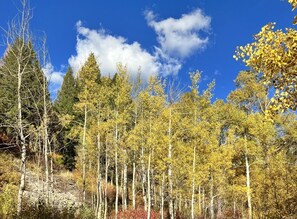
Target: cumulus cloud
<point x="110" y="50"/>
<point x="181" y="37"/>
<point x="55" y="78"/>
<point x="177" y="38"/>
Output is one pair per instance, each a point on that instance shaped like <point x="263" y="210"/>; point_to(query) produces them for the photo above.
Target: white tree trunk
<point x="99" y="192"/>
<point x="45" y="141"/>
<point x="171" y="213"/>
<point x="133" y="185"/>
<point x="116" y="172"/>
<point x="193" y="185"/>
<point x="248" y="185"/>
<point x="22" y="141"/>
<point x="149" y="187"/>
<point x="84" y="154"/>
<point x="124" y="198"/>
<point x="162" y="197"/>
<point x="106" y="180"/>
<point x="212" y="215"/>
<point x="143" y="181"/>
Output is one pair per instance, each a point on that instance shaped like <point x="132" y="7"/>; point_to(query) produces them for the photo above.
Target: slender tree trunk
<point x="125" y="186"/>
<point x="212" y="216"/>
<point x="22" y="141"/>
<point x="116" y="172"/>
<point x="106" y="180"/>
<point x="171" y="213"/>
<point x="51" y="184"/>
<point x="149" y="187"/>
<point x="193" y="184"/>
<point x="133" y="185"/>
<point x="45" y="142"/>
<point x="144" y="194"/>
<point x="162" y="197"/>
<point x="248" y="191"/>
<point x="99" y="193"/>
<point x="84" y="155"/>
<point x="248" y="186"/>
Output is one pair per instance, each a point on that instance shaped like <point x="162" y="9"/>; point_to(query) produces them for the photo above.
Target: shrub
<point x="8" y="201"/>
<point x="138" y="213"/>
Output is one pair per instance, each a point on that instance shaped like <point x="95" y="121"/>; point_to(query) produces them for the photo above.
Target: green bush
<point x="8" y="201"/>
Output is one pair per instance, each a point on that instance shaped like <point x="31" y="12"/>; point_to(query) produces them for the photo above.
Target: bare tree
<point x="18" y="34"/>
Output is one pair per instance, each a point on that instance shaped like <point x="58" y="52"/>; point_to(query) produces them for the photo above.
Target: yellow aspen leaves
<point x="273" y="54"/>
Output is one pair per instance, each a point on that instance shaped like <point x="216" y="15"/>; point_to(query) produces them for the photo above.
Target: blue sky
<point x="168" y="37"/>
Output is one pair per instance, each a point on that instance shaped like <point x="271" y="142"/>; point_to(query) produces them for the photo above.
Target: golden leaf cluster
<point x="273" y="55"/>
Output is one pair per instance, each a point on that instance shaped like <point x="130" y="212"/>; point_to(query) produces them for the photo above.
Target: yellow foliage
<point x="8" y="201"/>
<point x="273" y="54"/>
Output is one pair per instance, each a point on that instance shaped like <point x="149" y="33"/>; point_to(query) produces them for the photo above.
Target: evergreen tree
<point x="31" y="86"/>
<point x="66" y="98"/>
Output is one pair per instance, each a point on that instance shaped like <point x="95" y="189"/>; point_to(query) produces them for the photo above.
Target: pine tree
<point x="63" y="105"/>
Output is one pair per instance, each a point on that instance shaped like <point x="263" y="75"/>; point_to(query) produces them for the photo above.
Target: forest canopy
<point x="145" y="149"/>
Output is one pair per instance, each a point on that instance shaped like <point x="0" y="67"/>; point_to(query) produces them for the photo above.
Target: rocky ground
<point x="63" y="192"/>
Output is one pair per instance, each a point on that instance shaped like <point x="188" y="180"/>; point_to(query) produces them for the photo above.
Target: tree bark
<point x="171" y="214"/>
<point x="212" y="215"/>
<point x="149" y="187"/>
<point x="248" y="185"/>
<point x="22" y="141"/>
<point x="133" y="185"/>
<point x="84" y="154"/>
<point x="99" y="192"/>
<point x="193" y="184"/>
<point x="106" y="180"/>
<point x="162" y="197"/>
<point x="116" y="171"/>
<point x="124" y="198"/>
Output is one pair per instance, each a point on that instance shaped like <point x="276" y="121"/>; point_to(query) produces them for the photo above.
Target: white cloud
<point x="111" y="50"/>
<point x="181" y="37"/>
<point x="55" y="78"/>
<point x="178" y="39"/>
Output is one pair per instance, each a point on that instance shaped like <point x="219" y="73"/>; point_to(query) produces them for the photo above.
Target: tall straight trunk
<point x="193" y="184"/>
<point x="248" y="185"/>
<point x="148" y="191"/>
<point x="116" y="171"/>
<point x="133" y="184"/>
<point x="171" y="214"/>
<point x="51" y="183"/>
<point x="162" y="197"/>
<point x="143" y="178"/>
<point x="248" y="190"/>
<point x="45" y="141"/>
<point x="106" y="180"/>
<point x="84" y="154"/>
<point x="22" y="141"/>
<point x="149" y="187"/>
<point x="99" y="193"/>
<point x="212" y="216"/>
<point x="125" y="186"/>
